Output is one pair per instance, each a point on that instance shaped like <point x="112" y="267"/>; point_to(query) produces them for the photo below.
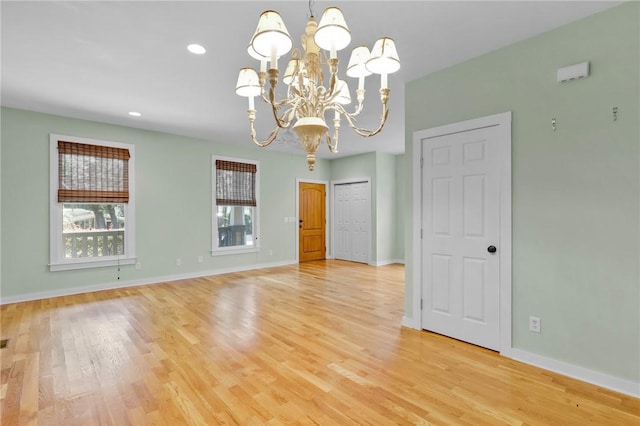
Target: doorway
<point x="462" y="191"/>
<point x="312" y="221"/>
<point x="351" y="220"/>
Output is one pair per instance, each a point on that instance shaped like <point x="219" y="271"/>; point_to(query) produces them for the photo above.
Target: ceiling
<point x="99" y="60"/>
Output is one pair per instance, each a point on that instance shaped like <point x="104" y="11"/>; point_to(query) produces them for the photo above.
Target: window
<point x="235" y="206"/>
<point x="92" y="203"/>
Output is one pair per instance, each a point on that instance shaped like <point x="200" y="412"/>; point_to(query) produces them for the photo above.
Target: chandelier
<point x="308" y="99"/>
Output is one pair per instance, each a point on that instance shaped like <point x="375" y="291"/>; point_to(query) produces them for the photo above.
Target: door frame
<point x="326" y="215"/>
<point x="334" y="183"/>
<point x="503" y="122"/>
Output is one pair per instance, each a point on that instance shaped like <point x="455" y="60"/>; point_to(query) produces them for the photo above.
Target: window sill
<point x="222" y="252"/>
<point x="90" y="263"/>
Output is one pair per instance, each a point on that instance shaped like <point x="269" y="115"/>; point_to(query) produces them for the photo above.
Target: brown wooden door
<point x="312" y="225"/>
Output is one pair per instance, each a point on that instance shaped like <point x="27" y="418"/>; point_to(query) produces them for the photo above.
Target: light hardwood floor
<point x="316" y="343"/>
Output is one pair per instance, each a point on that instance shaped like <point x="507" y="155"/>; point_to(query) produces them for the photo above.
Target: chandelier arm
<point x="252" y="131"/>
<point x="264" y="98"/>
<point x="295" y="90"/>
<point x="330" y="102"/>
<point x="285" y="119"/>
<point x="333" y="146"/>
<point x="266" y="142"/>
<point x="274" y="106"/>
<point x="384" y="96"/>
<point x="360" y="96"/>
<point x="333" y="72"/>
<point x="358" y="110"/>
<point x="273" y="81"/>
<point x="288" y="116"/>
<point x="365" y="132"/>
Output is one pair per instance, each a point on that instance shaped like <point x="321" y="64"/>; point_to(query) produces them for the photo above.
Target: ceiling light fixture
<point x="307" y="98"/>
<point x="196" y="49"/>
<point x="135" y="114"/>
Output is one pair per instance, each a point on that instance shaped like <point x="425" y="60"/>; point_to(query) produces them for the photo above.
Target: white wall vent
<point x="573" y="72"/>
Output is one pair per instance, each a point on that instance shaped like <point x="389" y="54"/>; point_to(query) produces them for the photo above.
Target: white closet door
<point x="352" y="207"/>
<point x="360" y="210"/>
<point x="342" y="224"/>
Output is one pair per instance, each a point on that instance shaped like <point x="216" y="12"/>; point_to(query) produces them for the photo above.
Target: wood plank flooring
<point x="318" y="343"/>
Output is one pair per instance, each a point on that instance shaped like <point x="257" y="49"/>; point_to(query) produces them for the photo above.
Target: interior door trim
<point x="503" y="122"/>
<point x="326" y="215"/>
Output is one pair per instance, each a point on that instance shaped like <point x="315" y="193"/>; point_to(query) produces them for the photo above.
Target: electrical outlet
<point x="534" y="324"/>
<point x="270" y="252"/>
<point x="178" y="262"/>
<point x="138" y="265"/>
<point x="200" y="259"/>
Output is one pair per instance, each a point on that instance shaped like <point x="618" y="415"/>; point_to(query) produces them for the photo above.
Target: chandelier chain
<point x="311" y="4"/>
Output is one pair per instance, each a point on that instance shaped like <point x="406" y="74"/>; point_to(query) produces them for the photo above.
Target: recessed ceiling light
<point x="196" y="49"/>
<point x="135" y="114"/>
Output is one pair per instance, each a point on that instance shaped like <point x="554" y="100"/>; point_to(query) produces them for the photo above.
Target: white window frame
<point x="57" y="260"/>
<point x="255" y="221"/>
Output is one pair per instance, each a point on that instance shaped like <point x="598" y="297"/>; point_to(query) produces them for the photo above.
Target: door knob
<point x="491" y="249"/>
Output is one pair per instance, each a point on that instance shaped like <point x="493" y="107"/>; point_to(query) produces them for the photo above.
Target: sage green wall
<point x="381" y="168"/>
<point x="402" y="174"/>
<point x="360" y="166"/>
<point x="575" y="191"/>
<point x="386" y="207"/>
<point x="173" y="198"/>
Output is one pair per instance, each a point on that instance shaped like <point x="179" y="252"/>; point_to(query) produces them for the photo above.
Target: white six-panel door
<point x="460" y="222"/>
<point x="351" y="221"/>
<point x="342" y="222"/>
<point x="361" y="205"/>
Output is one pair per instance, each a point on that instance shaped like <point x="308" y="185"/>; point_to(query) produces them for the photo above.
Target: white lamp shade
<point x="255" y="55"/>
<point x="248" y="83"/>
<point x="332" y="32"/>
<point x="357" y="62"/>
<point x="291" y="70"/>
<point x="271" y="36"/>
<point x="295" y="68"/>
<point x="384" y="57"/>
<point x="344" y="97"/>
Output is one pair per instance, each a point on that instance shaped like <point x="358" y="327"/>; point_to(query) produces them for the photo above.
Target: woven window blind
<point x="92" y="173"/>
<point x="235" y="183"/>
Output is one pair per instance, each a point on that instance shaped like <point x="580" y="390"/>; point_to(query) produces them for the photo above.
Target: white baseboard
<point x="134" y="283"/>
<point x="607" y="381"/>
<point x="409" y="323"/>
<point x="617" y="384"/>
<point x="387" y="262"/>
